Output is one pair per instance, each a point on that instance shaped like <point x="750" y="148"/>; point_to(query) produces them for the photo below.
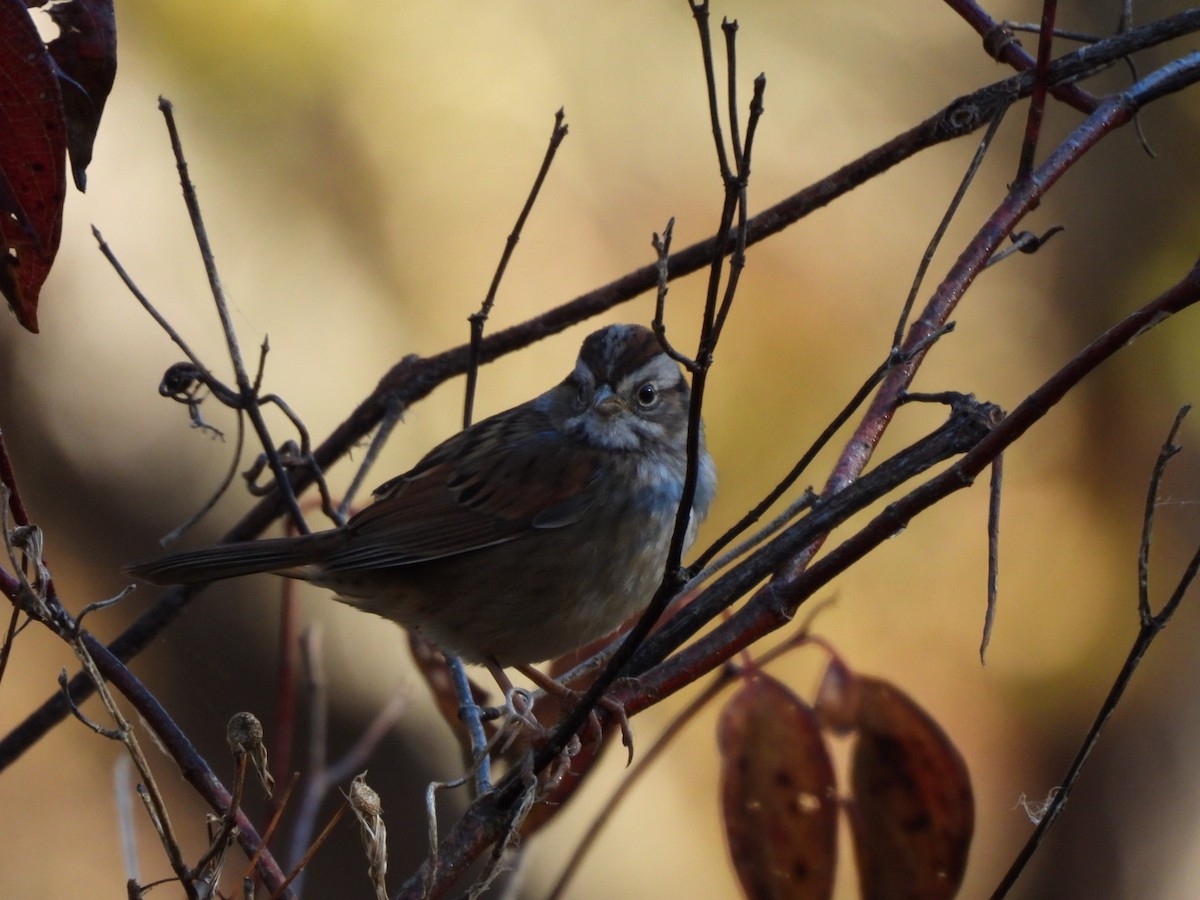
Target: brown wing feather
<point x="493" y="483"/>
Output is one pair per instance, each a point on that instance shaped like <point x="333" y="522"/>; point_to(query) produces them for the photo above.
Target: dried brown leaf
<point x="911" y="808"/>
<point x="778" y="793"/>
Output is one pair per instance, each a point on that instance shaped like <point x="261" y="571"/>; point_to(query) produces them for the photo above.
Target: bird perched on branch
<point x="523" y="537"/>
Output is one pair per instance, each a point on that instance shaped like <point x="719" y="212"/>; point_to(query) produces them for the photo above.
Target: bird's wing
<point x="503" y="478"/>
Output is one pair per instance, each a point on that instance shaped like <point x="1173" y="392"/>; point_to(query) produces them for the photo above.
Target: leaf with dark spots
<point x="911" y="809"/>
<point x="32" y="162"/>
<point x="86" y="53"/>
<point x="778" y="793"/>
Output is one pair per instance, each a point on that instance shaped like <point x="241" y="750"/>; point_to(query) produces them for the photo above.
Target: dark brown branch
<point x="1023" y="196"/>
<point x="1003" y="47"/>
<point x="1037" y="100"/>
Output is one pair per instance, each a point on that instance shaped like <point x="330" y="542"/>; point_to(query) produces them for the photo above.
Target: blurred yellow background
<point x="359" y="169"/>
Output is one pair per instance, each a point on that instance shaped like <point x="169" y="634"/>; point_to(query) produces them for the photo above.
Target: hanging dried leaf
<point x="911" y="808"/>
<point x="778" y="793"/>
<point x="33" y="147"/>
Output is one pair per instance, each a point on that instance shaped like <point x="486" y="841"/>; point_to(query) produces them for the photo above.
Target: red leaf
<point x="912" y="811"/>
<point x="778" y="793"/>
<point x="86" y="53"/>
<point x="32" y="162"/>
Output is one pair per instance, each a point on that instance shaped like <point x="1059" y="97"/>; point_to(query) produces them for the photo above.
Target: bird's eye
<point x="647" y="395"/>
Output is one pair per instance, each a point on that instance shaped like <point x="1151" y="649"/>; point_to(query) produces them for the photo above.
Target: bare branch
<point x="1149" y="628"/>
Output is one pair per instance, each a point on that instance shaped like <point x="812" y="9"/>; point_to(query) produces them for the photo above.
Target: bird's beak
<point x="606" y="402"/>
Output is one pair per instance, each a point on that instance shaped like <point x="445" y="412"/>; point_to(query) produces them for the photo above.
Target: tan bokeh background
<point x="359" y="170"/>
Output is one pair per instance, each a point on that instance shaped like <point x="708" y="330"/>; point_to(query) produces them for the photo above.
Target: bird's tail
<point x="232" y="560"/>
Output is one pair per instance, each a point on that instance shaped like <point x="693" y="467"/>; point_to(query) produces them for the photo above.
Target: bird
<point x="525" y="536"/>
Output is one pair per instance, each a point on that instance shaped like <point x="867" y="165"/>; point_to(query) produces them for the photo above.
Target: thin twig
<point x="633" y="778"/>
<point x="8" y="479"/>
<point x="1037" y="100"/>
<point x="323" y="776"/>
<point x="729" y="29"/>
<point x="306" y="455"/>
<point x="235" y="462"/>
<point x="737" y="257"/>
<point x="897" y="357"/>
<point x="125" y="734"/>
<point x="249" y="403"/>
<point x="960" y="192"/>
<point x="469" y="714"/>
<point x="662" y="251"/>
<point x="304" y="860"/>
<point x="479" y="319"/>
<point x="208" y="867"/>
<point x="393" y="414"/>
<point x="674" y="577"/>
<point x="1150" y="624"/>
<point x="314" y="785"/>
<point x="993" y="542"/>
<point x="141" y="298"/>
<point x="272" y="824"/>
<point x="1169" y="449"/>
<point x="700" y="15"/>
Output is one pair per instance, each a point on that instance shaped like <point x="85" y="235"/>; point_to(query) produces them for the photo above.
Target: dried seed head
<point x="244" y="732"/>
<point x="245" y="735"/>
<point x="368" y="808"/>
<point x="364" y="799"/>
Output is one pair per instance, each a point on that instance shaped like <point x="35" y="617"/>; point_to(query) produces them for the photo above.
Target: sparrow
<point x="523" y="537"/>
